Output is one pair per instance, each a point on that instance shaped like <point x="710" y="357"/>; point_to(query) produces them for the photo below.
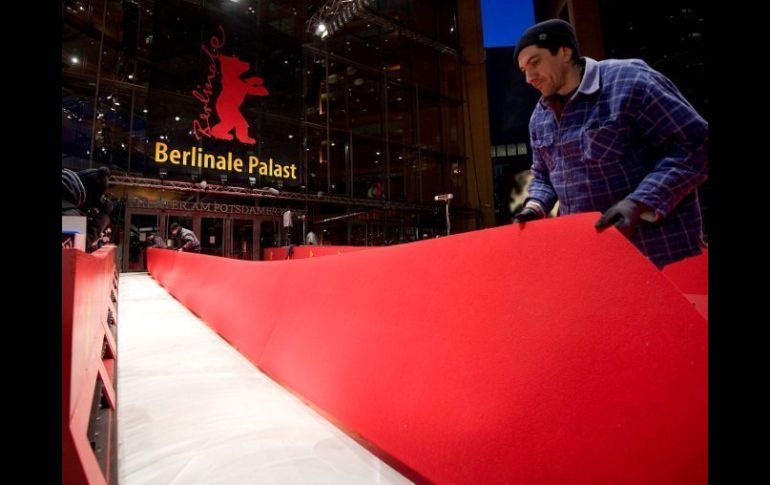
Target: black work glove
<point x="625" y="215"/>
<point x="527" y="214"/>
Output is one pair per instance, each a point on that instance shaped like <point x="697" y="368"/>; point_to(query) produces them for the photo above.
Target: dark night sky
<point x="505" y="20"/>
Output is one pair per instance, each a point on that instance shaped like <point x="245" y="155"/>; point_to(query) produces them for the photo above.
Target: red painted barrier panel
<point x="89" y="284"/>
<point x="691" y="276"/>
<point x="536" y="353"/>
<point x="301" y="252"/>
<point x="229" y="294"/>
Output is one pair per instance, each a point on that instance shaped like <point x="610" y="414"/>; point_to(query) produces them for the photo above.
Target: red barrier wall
<point x="691" y="276"/>
<point x="88" y="353"/>
<point x="301" y="252"/>
<point x="537" y="353"/>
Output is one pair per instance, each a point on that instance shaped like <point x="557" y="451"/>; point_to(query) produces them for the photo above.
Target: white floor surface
<point x="191" y="409"/>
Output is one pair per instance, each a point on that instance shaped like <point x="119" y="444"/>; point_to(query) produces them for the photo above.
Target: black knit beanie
<point x="551" y="33"/>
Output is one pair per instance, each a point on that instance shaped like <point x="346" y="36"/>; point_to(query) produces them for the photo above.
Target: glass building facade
<point x="358" y="130"/>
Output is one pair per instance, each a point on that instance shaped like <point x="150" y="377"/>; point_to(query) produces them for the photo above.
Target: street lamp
<point x="445" y="198"/>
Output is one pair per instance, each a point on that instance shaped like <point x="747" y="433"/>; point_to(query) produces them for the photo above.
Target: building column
<point x="478" y="169"/>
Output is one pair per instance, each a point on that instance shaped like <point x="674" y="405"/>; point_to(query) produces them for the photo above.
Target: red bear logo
<point x="234" y="91"/>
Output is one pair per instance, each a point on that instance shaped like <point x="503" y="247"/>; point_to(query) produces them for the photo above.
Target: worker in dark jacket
<point x="155" y="241"/>
<point x="73" y="194"/>
<point x="83" y="194"/>
<point x="185" y="239"/>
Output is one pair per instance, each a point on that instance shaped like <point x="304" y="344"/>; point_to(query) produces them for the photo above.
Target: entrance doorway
<point x="212" y="236"/>
<point x="239" y="237"/>
<point x="242" y="236"/>
<point x="138" y="228"/>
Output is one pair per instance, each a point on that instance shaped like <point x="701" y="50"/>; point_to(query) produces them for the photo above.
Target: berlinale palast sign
<point x="231" y="125"/>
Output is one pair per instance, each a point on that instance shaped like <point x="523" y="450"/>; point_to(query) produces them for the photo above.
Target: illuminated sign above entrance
<point x="233" y="92"/>
<point x="196" y="158"/>
<point x="219" y="127"/>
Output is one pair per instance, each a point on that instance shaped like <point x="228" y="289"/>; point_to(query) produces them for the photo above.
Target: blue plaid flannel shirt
<point x="626" y="132"/>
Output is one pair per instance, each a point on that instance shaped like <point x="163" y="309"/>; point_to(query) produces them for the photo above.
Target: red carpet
<point x="547" y="353"/>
